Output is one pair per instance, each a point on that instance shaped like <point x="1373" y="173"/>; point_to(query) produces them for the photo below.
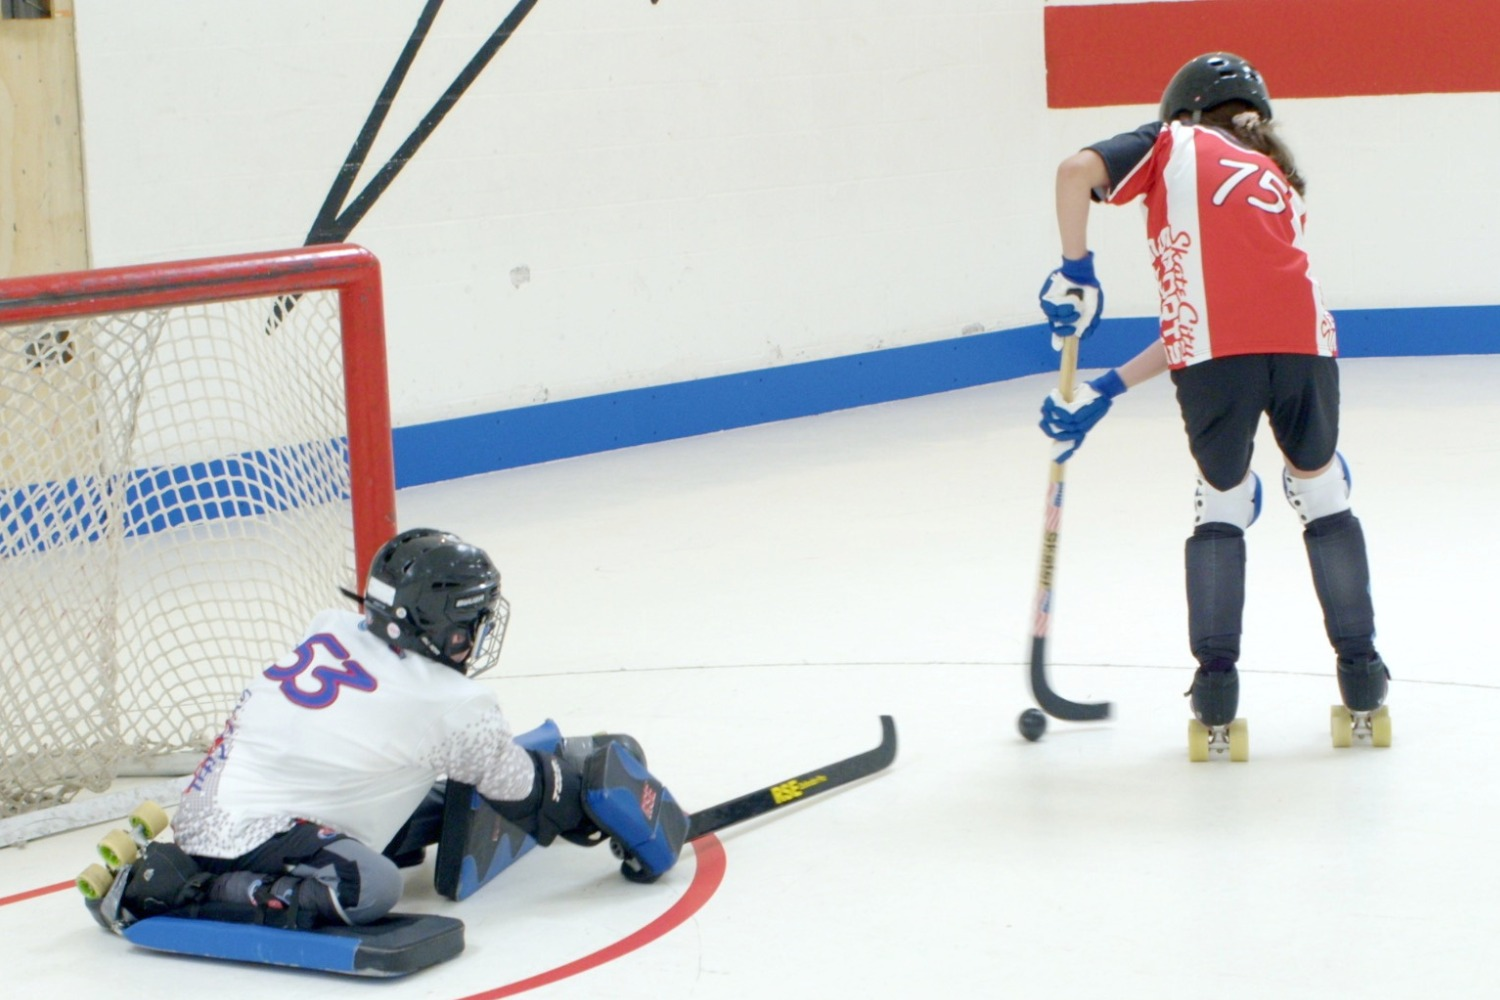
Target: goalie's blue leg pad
<point x="477" y="843"/>
<point x="395" y="945"/>
<point x="645" y="824"/>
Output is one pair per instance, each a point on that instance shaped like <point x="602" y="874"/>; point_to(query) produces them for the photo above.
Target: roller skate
<point x="1363" y="717"/>
<point x="103" y="885"/>
<point x="119" y="848"/>
<point x="1214" y="732"/>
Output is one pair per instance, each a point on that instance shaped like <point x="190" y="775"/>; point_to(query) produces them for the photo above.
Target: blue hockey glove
<point x="1072" y="300"/>
<point x="1069" y="422"/>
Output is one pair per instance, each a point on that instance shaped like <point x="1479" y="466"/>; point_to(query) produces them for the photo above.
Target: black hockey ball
<point x="1032" y="724"/>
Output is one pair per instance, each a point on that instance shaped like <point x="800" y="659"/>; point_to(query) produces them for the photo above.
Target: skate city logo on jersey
<point x="1328" y="335"/>
<point x="788" y="791"/>
<point x="1179" y="318"/>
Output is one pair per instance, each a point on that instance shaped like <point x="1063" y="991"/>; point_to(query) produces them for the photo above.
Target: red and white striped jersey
<point x="1226" y="236"/>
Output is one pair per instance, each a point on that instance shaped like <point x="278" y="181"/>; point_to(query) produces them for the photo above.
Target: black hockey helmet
<point x="1210" y="80"/>
<point x="432" y="593"/>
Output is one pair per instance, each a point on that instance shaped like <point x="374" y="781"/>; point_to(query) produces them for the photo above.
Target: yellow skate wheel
<point x="94" y="881"/>
<point x="149" y="819"/>
<point x="1341" y="725"/>
<point x="1380" y="727"/>
<point x="118" y="848"/>
<point x="1239" y="741"/>
<point x="1197" y="741"/>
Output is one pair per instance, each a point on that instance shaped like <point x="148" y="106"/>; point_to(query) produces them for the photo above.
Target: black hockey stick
<point x="1051" y="702"/>
<point x="803" y="786"/>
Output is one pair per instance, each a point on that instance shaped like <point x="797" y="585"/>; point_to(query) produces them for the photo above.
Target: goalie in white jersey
<point x="304" y="805"/>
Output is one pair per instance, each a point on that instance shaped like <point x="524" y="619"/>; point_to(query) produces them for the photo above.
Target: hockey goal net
<point x="194" y="457"/>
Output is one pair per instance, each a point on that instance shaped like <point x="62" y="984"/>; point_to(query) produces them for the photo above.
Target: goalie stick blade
<point x="1055" y="704"/>
<point x="798" y="789"/>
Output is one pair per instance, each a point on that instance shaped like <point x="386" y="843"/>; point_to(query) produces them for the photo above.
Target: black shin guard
<point x="1215" y="591"/>
<point x="1341" y="575"/>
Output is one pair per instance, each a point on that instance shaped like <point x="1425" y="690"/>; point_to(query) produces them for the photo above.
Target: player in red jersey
<point x="1243" y="332"/>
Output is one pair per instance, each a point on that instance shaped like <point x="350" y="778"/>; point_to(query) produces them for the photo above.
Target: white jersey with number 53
<point x="349" y="733"/>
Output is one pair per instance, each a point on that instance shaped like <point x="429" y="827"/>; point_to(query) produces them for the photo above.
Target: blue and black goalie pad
<point x="644" y="823"/>
<point x="477" y="843"/>
<point x="395" y="945"/>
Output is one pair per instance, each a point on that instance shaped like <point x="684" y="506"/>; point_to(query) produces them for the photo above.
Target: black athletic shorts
<point x="1222" y="400"/>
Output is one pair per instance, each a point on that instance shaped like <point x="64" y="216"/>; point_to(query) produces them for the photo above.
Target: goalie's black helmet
<point x="1210" y="80"/>
<point x="430" y="592"/>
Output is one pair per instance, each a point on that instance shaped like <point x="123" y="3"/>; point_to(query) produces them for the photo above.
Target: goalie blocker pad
<point x="646" y="826"/>
<point x="477" y="843"/>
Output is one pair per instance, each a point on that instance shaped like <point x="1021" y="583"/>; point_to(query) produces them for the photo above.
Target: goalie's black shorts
<point x="1222" y="400"/>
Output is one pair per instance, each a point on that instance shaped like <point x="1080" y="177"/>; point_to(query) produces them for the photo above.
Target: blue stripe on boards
<point x="467" y="446"/>
<point x="38" y="516"/>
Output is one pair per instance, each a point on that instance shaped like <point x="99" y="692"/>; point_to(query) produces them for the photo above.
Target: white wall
<point x="696" y="187"/>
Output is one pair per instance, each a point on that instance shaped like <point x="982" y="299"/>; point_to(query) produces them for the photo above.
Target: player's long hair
<point x="1243" y="122"/>
<point x="1245" y="125"/>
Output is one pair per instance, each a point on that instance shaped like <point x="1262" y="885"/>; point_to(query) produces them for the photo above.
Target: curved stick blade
<point x="1055" y="704"/>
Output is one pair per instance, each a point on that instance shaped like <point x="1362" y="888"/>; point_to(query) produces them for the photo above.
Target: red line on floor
<point x="708" y="853"/>
<point x="45" y="890"/>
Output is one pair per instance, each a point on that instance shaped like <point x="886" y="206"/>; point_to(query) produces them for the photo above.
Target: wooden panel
<point x="43" y="226"/>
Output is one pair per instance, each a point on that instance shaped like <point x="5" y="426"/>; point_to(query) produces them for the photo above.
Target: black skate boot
<point x="1215" y="697"/>
<point x="163" y="879"/>
<point x="1363" y="717"/>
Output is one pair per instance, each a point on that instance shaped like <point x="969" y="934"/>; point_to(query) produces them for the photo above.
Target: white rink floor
<point x="748" y="603"/>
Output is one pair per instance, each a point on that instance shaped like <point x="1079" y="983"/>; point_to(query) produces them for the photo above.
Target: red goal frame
<point x="350" y="271"/>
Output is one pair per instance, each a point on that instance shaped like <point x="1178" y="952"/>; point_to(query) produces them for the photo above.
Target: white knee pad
<point x="1239" y="506"/>
<point x="1323" y="494"/>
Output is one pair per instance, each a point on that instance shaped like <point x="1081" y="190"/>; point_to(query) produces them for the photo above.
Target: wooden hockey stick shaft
<point x="1050" y="701"/>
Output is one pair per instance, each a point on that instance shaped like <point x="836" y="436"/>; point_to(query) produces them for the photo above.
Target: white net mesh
<point x="174" y="506"/>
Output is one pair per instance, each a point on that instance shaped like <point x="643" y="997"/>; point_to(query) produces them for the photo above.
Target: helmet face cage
<point x="488" y="637"/>
<point x="1210" y="80"/>
<point x="433" y="594"/>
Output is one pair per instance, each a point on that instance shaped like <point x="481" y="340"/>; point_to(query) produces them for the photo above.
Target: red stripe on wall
<point x="1109" y="54"/>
